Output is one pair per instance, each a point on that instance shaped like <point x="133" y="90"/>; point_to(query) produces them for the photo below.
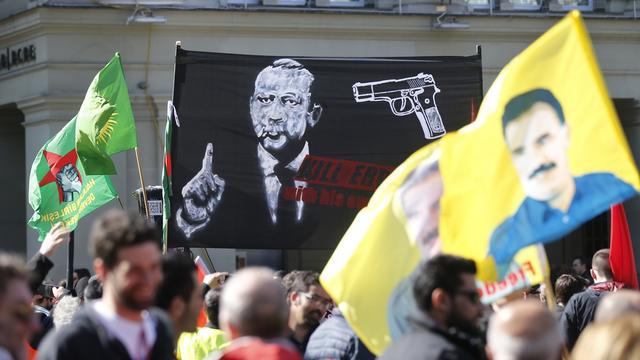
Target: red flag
<point x="621" y="256"/>
<point x="202" y="271"/>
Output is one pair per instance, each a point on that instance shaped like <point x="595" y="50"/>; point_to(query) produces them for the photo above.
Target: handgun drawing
<point x="412" y="95"/>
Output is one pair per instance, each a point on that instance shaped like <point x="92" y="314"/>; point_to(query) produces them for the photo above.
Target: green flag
<point x="105" y="123"/>
<point x="59" y="188"/>
<point x="166" y="174"/>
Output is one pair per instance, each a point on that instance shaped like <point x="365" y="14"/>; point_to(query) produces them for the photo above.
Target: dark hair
<point x="600" y="263"/>
<point x="178" y="270"/>
<point x="443" y="272"/>
<point x="583" y="260"/>
<point x="116" y="230"/>
<point x="566" y="286"/>
<point x="82" y="273"/>
<point x="12" y="267"/>
<point x="301" y="281"/>
<point x="212" y="306"/>
<point x="93" y="290"/>
<point x="523" y="102"/>
<point x="81" y="285"/>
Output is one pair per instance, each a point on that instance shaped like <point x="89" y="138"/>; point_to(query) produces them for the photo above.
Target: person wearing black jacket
<point x="447" y="325"/>
<point x="580" y="310"/>
<point x="37" y="269"/>
<point x="121" y="325"/>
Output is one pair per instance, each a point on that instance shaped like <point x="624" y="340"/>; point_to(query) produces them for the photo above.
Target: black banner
<point x="282" y="152"/>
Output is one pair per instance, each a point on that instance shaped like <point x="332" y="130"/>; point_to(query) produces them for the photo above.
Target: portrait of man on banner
<point x="538" y="138"/>
<point x="419" y="200"/>
<point x="281" y="114"/>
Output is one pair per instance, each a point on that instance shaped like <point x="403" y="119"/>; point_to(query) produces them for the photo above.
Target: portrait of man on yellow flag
<point x="538" y="140"/>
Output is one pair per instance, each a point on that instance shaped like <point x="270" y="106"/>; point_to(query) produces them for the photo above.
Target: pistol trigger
<point x="403" y="103"/>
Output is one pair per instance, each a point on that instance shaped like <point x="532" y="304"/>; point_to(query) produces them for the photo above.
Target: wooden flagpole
<point x="144" y="189"/>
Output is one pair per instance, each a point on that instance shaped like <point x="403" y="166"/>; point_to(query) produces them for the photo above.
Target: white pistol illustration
<point x="412" y="95"/>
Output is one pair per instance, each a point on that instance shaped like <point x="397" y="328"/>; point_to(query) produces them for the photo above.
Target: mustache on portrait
<point x="542" y="168"/>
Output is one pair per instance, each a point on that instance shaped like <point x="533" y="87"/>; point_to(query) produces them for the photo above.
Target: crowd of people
<point x="141" y="304"/>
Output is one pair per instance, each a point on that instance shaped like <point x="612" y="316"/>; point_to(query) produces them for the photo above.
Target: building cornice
<point x="305" y="24"/>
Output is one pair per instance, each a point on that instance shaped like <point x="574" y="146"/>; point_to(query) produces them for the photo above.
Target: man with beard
<point x="537" y="137"/>
<point x="447" y="325"/>
<point x="308" y="303"/>
<point x="281" y="112"/>
<point x="121" y="325"/>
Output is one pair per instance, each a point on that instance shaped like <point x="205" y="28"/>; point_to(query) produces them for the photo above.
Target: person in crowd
<point x="581" y="268"/>
<point x="78" y="289"/>
<point x="37" y="269"/>
<point x="524" y="330"/>
<point x="334" y="339"/>
<point x="308" y="303"/>
<point x="42" y="304"/>
<point x="565" y="287"/>
<point x="450" y="310"/>
<point x="80" y="274"/>
<point x="93" y="291"/>
<point x="207" y="339"/>
<point x="64" y="310"/>
<point x="40" y="264"/>
<point x="614" y="339"/>
<point x="180" y="294"/>
<point x="253" y="315"/>
<point x="619" y="303"/>
<point x="121" y="325"/>
<point x="17" y="320"/>
<point x="580" y="310"/>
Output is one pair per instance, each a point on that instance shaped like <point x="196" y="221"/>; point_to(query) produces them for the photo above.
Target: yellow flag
<point x="545" y="154"/>
<point x="370" y="273"/>
<point x="561" y="155"/>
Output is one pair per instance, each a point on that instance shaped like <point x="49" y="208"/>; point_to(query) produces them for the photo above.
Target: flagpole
<point x="70" y="261"/>
<point x="144" y="190"/>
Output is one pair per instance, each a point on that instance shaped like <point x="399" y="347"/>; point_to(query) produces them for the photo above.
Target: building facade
<point x="52" y="49"/>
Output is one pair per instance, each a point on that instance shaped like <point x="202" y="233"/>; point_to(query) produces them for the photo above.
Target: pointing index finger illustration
<point x="207" y="161"/>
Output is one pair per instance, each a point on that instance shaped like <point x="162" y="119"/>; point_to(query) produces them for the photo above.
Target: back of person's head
<point x="614" y="339"/>
<point x="566" y="286"/>
<point x="443" y="272"/>
<point x="82" y="273"/>
<point x="116" y="230"/>
<point x="212" y="306"/>
<point x="93" y="291"/>
<point x="80" y="287"/>
<point x="64" y="310"/>
<point x="178" y="282"/>
<point x="619" y="303"/>
<point x="253" y="303"/>
<point x="524" y="330"/>
<point x="601" y="265"/>
<point x="12" y="268"/>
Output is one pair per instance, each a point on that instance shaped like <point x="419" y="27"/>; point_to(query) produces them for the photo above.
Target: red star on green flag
<point x="59" y="188"/>
<point x="56" y="163"/>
